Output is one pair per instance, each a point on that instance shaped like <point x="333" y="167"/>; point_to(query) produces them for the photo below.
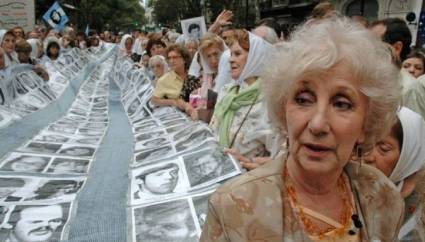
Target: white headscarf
<point x="34" y="47"/>
<point x="412" y="155"/>
<point x="195" y="66"/>
<point x="49" y="40"/>
<point x="2" y="32"/>
<point x="224" y="73"/>
<point x="258" y="50"/>
<point x="122" y="43"/>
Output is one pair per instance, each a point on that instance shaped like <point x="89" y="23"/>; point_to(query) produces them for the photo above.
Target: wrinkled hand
<point x="193" y="113"/>
<point x="224" y="17"/>
<point x="246" y="162"/>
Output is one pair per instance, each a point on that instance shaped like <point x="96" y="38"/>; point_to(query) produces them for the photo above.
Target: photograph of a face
<point x="156" y="182"/>
<point x="36" y="189"/>
<point x="43" y="148"/>
<point x="194" y="139"/>
<point x="77" y="151"/>
<point x="152" y="143"/>
<point x="150" y="155"/>
<point x="209" y="166"/>
<point x="33" y="223"/>
<point x="20" y="162"/>
<point x="166" y="222"/>
<point x="194" y="28"/>
<point x="61" y="165"/>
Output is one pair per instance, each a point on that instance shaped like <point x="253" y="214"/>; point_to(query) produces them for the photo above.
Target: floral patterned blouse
<point x="255" y="207"/>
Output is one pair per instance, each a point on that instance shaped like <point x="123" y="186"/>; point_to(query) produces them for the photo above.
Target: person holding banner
<point x="8" y="44"/>
<point x="240" y="117"/>
<point x="23" y="48"/>
<point x="174" y="87"/>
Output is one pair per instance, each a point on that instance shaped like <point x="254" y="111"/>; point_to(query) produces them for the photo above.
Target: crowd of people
<point x="328" y="119"/>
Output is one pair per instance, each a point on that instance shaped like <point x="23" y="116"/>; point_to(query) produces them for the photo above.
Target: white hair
<point x="267" y="33"/>
<point x="321" y="45"/>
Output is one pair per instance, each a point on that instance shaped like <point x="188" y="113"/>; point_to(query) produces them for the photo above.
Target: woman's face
<point x="157" y="50"/>
<point x="192" y="47"/>
<point x="128" y="43"/>
<point x="158" y="69"/>
<point x="384" y="155"/>
<point x="8" y="43"/>
<point x="414" y="66"/>
<point x="212" y="55"/>
<point x="175" y="60"/>
<point x="238" y="59"/>
<point x="54" y="51"/>
<point x="325" y="114"/>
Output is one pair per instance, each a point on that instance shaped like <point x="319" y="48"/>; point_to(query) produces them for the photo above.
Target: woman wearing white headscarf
<point x="401" y="157"/>
<point x="206" y="64"/>
<point x="240" y="118"/>
<point x="126" y="45"/>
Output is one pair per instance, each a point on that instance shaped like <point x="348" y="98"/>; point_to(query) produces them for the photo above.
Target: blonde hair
<point x="209" y="40"/>
<point x="319" y="47"/>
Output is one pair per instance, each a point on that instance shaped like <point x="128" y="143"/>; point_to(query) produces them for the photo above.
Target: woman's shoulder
<point x="167" y="75"/>
<point x="376" y="195"/>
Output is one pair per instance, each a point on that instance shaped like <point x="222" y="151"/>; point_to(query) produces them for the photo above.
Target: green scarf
<point x="225" y="110"/>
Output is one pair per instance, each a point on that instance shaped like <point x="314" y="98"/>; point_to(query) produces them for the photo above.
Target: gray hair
<point x="158" y="59"/>
<point x="267" y="33"/>
<point x="321" y="45"/>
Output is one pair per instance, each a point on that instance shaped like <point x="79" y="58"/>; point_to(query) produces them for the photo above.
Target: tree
<point x="100" y="14"/>
<point x="169" y="13"/>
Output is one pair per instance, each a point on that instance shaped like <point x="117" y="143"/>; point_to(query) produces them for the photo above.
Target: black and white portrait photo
<point x="64" y="189"/>
<point x="194" y="28"/>
<point x="24" y="163"/>
<point x="143" y="127"/>
<point x="9" y="186"/>
<point x="63" y="128"/>
<point x="153" y="143"/>
<point x="194" y="139"/>
<point x="38" y="147"/>
<point x="175" y="122"/>
<point x="52" y="138"/>
<point x="166" y="222"/>
<point x="158" y="181"/>
<point x="208" y="166"/>
<point x="35" y="223"/>
<point x="68" y="165"/>
<point x="77" y="151"/>
<point x="151" y="135"/>
<point x="153" y="154"/>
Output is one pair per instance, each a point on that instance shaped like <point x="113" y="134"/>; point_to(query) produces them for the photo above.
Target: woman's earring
<point x="359" y="155"/>
<point x="287" y="147"/>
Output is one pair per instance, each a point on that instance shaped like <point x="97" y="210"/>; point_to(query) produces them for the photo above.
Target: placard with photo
<point x="44" y="222"/>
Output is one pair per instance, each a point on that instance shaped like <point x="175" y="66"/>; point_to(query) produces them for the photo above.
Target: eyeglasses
<point x="174" y="57"/>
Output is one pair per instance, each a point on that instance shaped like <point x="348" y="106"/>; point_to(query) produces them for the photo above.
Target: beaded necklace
<point x="309" y="225"/>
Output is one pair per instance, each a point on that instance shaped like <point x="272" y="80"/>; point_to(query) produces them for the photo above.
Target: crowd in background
<point x="219" y="79"/>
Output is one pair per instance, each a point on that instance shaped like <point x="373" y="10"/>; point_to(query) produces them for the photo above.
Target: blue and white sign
<point x="56" y="17"/>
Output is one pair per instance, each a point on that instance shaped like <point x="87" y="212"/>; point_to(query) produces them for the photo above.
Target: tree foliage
<point x="169" y="13"/>
<point x="100" y="14"/>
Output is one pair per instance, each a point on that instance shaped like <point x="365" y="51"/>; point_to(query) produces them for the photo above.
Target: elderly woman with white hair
<point x="159" y="66"/>
<point x="401" y="157"/>
<point x="333" y="99"/>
